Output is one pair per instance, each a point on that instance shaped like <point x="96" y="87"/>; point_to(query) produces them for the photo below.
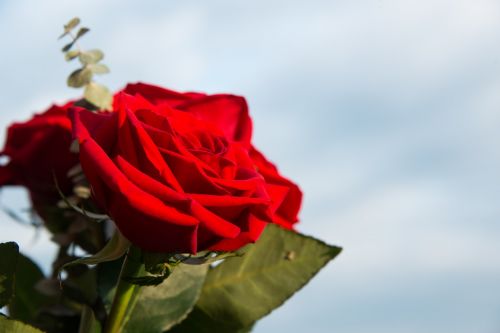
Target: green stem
<point x="125" y="291"/>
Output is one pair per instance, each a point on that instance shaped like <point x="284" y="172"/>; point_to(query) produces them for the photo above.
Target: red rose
<point x="287" y="196"/>
<point x="176" y="172"/>
<point x="37" y="150"/>
<point x="232" y="114"/>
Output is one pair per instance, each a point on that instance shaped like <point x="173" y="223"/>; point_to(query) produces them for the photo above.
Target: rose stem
<point x="125" y="291"/>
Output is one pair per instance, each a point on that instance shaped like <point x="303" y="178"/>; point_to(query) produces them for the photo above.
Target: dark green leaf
<point x="245" y="329"/>
<point x="159" y="308"/>
<point x="107" y="277"/>
<point x="67" y="47"/>
<point x="71" y="55"/>
<point x="98" y="95"/>
<point x="155" y="262"/>
<point x="88" y="322"/>
<point x="27" y="300"/>
<point x="9" y="253"/>
<point x="49" y="287"/>
<point x="81" y="32"/>
<point x="82" y="287"/>
<point x="13" y="326"/>
<point x="98" y="68"/>
<point x="242" y="290"/>
<point x="147" y="280"/>
<point x="91" y="57"/>
<point x="83" y="104"/>
<point x="80" y="78"/>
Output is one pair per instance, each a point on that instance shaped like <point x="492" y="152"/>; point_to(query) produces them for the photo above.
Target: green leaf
<point x="98" y="95"/>
<point x="70" y="55"/>
<point x="27" y="300"/>
<point x="242" y="290"/>
<point x="88" y="322"/>
<point x="81" y="32"/>
<point x="114" y="249"/>
<point x="98" y="68"/>
<point x="68" y="46"/>
<point x="147" y="280"/>
<point x="154" y="262"/>
<point x="72" y="23"/>
<point x="9" y="253"/>
<point x="245" y="329"/>
<point x="82" y="287"/>
<point x="91" y="56"/>
<point x="107" y="275"/>
<point x="159" y="308"/>
<point x="13" y="326"/>
<point x="80" y="78"/>
<point x="70" y="26"/>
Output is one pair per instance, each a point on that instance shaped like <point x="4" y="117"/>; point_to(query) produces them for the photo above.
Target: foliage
<point x="94" y="93"/>
<point x="242" y="290"/>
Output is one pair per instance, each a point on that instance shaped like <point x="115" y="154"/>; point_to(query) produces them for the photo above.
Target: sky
<point x="386" y="112"/>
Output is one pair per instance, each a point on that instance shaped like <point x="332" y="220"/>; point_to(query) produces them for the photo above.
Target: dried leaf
<point x="70" y="26"/>
<point x="99" y="68"/>
<point x="91" y="56"/>
<point x="79" y="78"/>
<point x="98" y="95"/>
<point x="81" y="32"/>
<point x="82" y="191"/>
<point x="70" y="55"/>
<point x="72" y="23"/>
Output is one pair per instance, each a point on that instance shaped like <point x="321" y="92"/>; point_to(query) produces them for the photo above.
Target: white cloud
<point x="413" y="227"/>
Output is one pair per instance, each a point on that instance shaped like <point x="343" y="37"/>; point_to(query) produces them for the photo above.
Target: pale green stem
<point x="125" y="291"/>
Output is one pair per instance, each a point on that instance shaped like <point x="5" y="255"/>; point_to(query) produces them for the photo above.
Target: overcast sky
<point x="386" y="112"/>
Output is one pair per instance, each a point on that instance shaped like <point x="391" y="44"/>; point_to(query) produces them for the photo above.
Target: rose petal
<point x="215" y="224"/>
<point x="158" y="95"/>
<point x="144" y="219"/>
<point x="251" y="236"/>
<point x="190" y="174"/>
<point x="232" y="207"/>
<point x="100" y="126"/>
<point x="290" y="206"/>
<point x="135" y="145"/>
<point x="229" y="112"/>
<point x="150" y="185"/>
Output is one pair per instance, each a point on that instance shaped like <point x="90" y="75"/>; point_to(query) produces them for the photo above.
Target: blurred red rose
<point x="177" y="172"/>
<point x="37" y="150"/>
